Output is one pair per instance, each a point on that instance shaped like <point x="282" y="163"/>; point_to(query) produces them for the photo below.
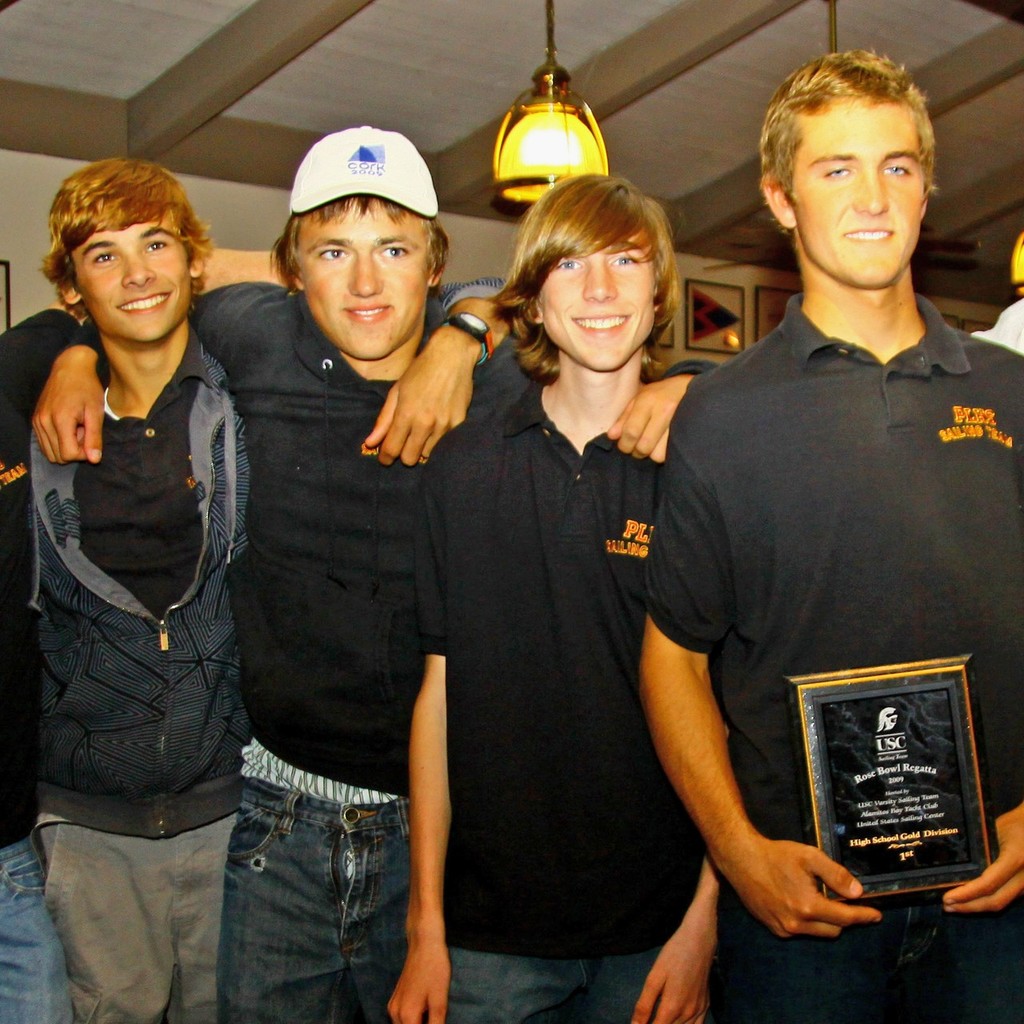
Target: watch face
<point x="472" y="321"/>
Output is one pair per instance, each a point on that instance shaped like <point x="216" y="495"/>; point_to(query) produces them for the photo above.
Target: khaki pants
<point x="139" y="920"/>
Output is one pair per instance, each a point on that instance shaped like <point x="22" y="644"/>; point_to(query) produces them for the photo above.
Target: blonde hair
<point x="286" y="248"/>
<point x="113" y="194"/>
<point x="853" y="75"/>
<point x="580" y="216"/>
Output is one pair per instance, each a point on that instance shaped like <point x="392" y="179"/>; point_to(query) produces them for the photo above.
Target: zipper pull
<point x="165" y="643"/>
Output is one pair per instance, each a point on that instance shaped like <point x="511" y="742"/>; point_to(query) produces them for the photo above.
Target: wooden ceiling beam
<point x="59" y="122"/>
<point x="253" y="46"/>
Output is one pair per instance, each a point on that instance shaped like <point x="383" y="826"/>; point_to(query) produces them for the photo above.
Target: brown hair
<point x="580" y="216"/>
<point x="286" y="248"/>
<point x="853" y="75"/>
<point x="113" y="194"/>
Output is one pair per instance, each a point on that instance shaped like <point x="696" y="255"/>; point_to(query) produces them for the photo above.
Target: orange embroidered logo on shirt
<point x="973" y="422"/>
<point x="634" y="542"/>
<point x="8" y="476"/>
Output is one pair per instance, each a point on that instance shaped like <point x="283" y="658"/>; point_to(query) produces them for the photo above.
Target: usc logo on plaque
<point x="887" y="740"/>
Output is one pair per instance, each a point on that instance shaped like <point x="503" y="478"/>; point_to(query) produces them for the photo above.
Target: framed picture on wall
<point x="769" y="308"/>
<point x="714" y="317"/>
<point x="5" y="294"/>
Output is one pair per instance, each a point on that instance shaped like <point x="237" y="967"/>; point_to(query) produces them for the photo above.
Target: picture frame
<point x="5" y="294"/>
<point x="715" y="319"/>
<point x="896" y="785"/>
<point x="769" y="308"/>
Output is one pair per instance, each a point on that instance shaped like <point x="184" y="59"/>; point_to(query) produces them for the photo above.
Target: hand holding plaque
<point x="896" y="774"/>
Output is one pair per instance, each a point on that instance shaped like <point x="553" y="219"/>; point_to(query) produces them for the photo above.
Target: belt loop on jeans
<point x="284" y="825"/>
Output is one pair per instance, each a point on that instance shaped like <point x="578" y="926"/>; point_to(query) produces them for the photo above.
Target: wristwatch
<point x="476" y="327"/>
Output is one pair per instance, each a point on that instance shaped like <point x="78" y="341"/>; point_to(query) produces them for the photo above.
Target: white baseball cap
<point x="364" y="161"/>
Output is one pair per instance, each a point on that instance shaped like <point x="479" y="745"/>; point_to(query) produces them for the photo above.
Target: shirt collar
<point x="528" y="411"/>
<point x="940" y="346"/>
<point x="192" y="363"/>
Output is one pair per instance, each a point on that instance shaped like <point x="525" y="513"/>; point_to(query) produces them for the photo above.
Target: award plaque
<point x="896" y="773"/>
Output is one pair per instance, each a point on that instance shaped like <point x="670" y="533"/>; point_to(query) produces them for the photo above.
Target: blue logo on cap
<point x="367" y="160"/>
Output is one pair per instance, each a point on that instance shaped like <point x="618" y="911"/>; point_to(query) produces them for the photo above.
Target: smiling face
<point x="366" y="276"/>
<point x="857" y="200"/>
<point x="136" y="284"/>
<point x="599" y="309"/>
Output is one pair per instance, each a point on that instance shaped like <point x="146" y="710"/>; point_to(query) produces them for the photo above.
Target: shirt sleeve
<point x="690" y="583"/>
<point x="694" y="367"/>
<point x="430" y="567"/>
<point x="27" y="352"/>
<point x="481" y="288"/>
<point x="225" y="320"/>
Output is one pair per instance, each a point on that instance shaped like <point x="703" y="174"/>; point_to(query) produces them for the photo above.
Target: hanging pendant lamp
<point x="548" y="133"/>
<point x="1017" y="265"/>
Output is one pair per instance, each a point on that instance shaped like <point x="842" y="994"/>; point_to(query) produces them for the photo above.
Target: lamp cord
<point x="552" y="52"/>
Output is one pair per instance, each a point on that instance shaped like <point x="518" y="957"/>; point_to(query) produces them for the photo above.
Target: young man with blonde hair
<point x="820" y="513"/>
<point x="143" y="722"/>
<point x="552" y="863"/>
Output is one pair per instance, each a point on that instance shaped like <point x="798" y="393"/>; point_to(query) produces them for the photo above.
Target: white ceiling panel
<point x="111" y="47"/>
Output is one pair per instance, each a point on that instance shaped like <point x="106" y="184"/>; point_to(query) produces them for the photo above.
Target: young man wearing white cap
<point x="317" y="879"/>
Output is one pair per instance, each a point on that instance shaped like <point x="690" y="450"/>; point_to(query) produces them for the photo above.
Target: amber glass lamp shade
<point x="548" y="133"/>
<point x="1017" y="265"/>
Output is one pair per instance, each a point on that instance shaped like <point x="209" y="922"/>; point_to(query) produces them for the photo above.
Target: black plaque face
<point x="896" y="790"/>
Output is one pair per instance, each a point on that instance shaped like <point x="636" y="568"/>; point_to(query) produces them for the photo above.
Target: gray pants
<point x="139" y="920"/>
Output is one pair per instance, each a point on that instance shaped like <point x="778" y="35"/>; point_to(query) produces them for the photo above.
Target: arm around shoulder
<point x="27" y="352"/>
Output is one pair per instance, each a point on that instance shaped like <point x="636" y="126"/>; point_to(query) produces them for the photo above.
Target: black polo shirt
<point x="566" y="838"/>
<point x="821" y="511"/>
<point x="139" y="507"/>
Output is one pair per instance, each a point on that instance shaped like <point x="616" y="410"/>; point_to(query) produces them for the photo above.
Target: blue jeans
<point x="33" y="980"/>
<point x="496" y="988"/>
<point x="315" y="899"/>
<point x="918" y="966"/>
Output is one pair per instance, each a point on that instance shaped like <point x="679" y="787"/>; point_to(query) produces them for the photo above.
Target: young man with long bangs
<point x="552" y="863"/>
<point x="142" y="718"/>
<point x="819" y="514"/>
